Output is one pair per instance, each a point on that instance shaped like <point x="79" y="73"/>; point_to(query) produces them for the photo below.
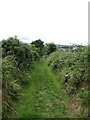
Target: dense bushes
<point x="72" y="66"/>
<point x="39" y="44"/>
<point x="11" y="87"/>
<point x="22" y="52"/>
<point x="18" y="60"/>
<point x="49" y="48"/>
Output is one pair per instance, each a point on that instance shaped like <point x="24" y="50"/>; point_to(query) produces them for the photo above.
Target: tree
<point x="51" y="47"/>
<point x="40" y="45"/>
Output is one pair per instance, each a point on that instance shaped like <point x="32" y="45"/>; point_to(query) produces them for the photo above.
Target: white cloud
<point x="59" y="21"/>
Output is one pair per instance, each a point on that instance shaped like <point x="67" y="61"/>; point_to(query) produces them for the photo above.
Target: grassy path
<point x="44" y="97"/>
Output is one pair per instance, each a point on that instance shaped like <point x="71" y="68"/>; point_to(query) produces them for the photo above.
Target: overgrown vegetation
<point x="72" y="68"/>
<point x="18" y="61"/>
<point x="49" y="48"/>
<point x="43" y="99"/>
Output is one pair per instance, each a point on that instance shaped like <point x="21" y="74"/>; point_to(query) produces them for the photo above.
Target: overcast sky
<point x="58" y="21"/>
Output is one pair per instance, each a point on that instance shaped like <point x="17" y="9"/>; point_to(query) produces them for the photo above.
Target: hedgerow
<point x="18" y="59"/>
<point x="72" y="67"/>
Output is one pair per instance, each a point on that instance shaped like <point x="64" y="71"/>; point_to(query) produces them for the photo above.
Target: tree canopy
<point x="50" y="47"/>
<point x="40" y="45"/>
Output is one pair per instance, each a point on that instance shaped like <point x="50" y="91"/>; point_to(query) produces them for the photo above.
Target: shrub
<point x="72" y="67"/>
<point x="18" y="60"/>
<point x="10" y="84"/>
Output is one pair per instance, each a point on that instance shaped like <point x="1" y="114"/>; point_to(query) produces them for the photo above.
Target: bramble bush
<point x="11" y="88"/>
<point x="72" y="66"/>
<point x="18" y="59"/>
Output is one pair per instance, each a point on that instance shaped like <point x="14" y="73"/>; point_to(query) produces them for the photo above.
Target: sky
<point x="59" y="21"/>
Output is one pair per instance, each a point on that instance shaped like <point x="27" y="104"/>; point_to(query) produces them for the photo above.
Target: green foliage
<point x="11" y="87"/>
<point x="35" y="52"/>
<point x="83" y="94"/>
<point x="72" y="66"/>
<point x="39" y="44"/>
<point x="49" y="48"/>
<point x="8" y="46"/>
<point x="18" y="60"/>
<point x="43" y="97"/>
<point x="22" y="52"/>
